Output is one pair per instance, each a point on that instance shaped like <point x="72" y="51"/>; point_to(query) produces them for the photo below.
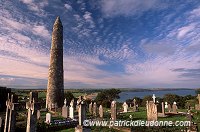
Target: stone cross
<point x="48" y="118"/>
<point x="152" y="114"/>
<point x="125" y="106"/>
<point x="32" y="107"/>
<point x="198" y="97"/>
<point x="101" y="111"/>
<point x="10" y="119"/>
<point x="154" y="98"/>
<point x="90" y="108"/>
<point x="65" y="110"/>
<point x="78" y="101"/>
<point x="94" y="109"/>
<point x="71" y="109"/>
<point x="113" y="111"/>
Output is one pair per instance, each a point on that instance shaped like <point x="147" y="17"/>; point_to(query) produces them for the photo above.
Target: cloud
<point x="185" y="30"/>
<point x="188" y="73"/>
<point x="161" y="48"/>
<point x="40" y="30"/>
<point x="36" y="6"/>
<point x="195" y="12"/>
<point x="112" y="8"/>
<point x="68" y="7"/>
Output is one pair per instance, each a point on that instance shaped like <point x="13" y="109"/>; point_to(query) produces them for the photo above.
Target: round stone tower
<point x="55" y="86"/>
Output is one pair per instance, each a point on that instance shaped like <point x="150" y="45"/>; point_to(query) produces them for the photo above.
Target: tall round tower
<point x="55" y="86"/>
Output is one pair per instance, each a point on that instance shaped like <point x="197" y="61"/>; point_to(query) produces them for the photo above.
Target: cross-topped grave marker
<point x="10" y="119"/>
<point x="32" y="107"/>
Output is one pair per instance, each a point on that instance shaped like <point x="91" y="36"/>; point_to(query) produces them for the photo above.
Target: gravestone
<point x="65" y="110"/>
<point x="82" y="117"/>
<point x="56" y="107"/>
<point x="32" y="108"/>
<point x="125" y="106"/>
<point x="154" y="98"/>
<point x="174" y="107"/>
<point x="101" y="111"/>
<point x="169" y="108"/>
<point x="166" y="105"/>
<point x="161" y="110"/>
<point x="80" y="98"/>
<point x="90" y="108"/>
<point x="152" y="114"/>
<point x="82" y="112"/>
<point x="10" y="119"/>
<point x="135" y="106"/>
<point x="94" y="109"/>
<point x="197" y="106"/>
<point x="0" y="124"/>
<point x="48" y="118"/>
<point x="113" y="111"/>
<point x="71" y="109"/>
<point x="38" y="114"/>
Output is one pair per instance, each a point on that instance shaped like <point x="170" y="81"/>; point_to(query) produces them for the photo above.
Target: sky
<point x="107" y="43"/>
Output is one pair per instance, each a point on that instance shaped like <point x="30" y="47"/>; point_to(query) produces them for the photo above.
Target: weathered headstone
<point x="82" y="117"/>
<point x="10" y="119"/>
<point x="48" y="118"/>
<point x="113" y="111"/>
<point x="125" y="107"/>
<point x="152" y="114"/>
<point x="169" y="108"/>
<point x="174" y="107"/>
<point x="71" y="110"/>
<point x="0" y="124"/>
<point x="32" y="107"/>
<point x="38" y="114"/>
<point x="94" y="109"/>
<point x="135" y="106"/>
<point x="154" y="98"/>
<point x="197" y="106"/>
<point x="90" y="108"/>
<point x="161" y="110"/>
<point x="65" y="110"/>
<point x="101" y="111"/>
<point x="82" y="112"/>
<point x="198" y="97"/>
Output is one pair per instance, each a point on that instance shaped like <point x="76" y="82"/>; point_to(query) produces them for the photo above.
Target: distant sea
<point x="129" y="94"/>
